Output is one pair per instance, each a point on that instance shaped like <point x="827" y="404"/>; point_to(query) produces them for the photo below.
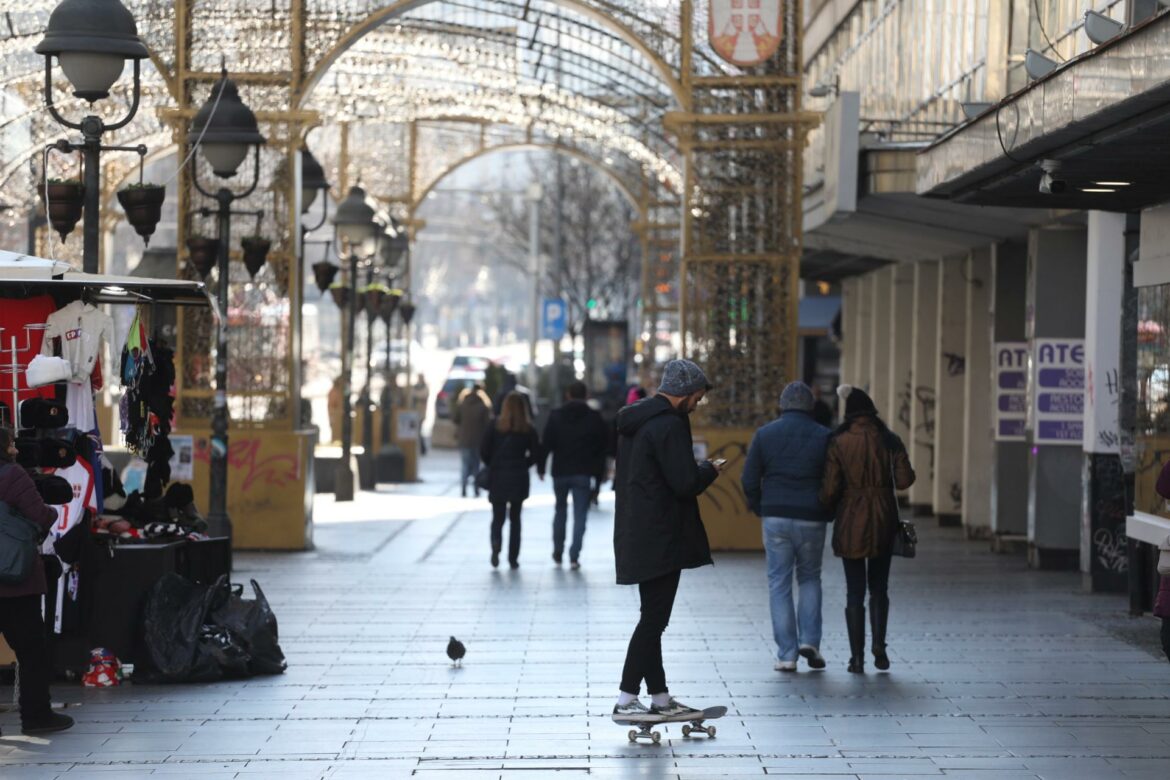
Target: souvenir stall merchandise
<point x="107" y="549"/>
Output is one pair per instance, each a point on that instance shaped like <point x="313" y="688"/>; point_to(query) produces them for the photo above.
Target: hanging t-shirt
<point x="80" y="478"/>
<point x="15" y="313"/>
<point x="79" y="402"/>
<point x="82" y="329"/>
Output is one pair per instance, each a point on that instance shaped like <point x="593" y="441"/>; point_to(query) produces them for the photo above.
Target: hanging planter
<point x="65" y="206"/>
<point x="375" y="294"/>
<point x="340" y="293"/>
<point x="255" y="253"/>
<point x="325" y="272"/>
<point x="389" y="305"/>
<point x="406" y="311"/>
<point x="143" y="206"/>
<point x="202" y="252"/>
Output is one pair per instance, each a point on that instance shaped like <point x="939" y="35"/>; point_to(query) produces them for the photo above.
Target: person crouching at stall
<point x="20" y="602"/>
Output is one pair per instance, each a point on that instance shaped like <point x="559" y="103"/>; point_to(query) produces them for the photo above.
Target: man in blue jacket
<point x="782" y="479"/>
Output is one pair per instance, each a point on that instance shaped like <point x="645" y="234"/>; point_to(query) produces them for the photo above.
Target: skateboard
<point x="694" y="724"/>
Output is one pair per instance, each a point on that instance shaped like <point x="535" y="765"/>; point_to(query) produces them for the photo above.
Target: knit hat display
<point x="857" y="401"/>
<point x="797" y="396"/>
<point x="681" y="378"/>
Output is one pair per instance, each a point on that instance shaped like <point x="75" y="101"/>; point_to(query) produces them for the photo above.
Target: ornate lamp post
<point x="92" y="39"/>
<point x="356" y="234"/>
<point x="226" y="131"/>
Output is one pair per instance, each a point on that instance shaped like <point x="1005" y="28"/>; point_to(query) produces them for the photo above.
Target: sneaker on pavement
<point x="813" y="656"/>
<point x="785" y="666"/>
<point x="673" y="708"/>
<point x="634" y="709"/>
<point x="574" y="565"/>
<point x="54" y="721"/>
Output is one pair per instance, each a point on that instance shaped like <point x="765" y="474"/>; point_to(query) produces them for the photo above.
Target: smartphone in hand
<point x="719" y="463"/>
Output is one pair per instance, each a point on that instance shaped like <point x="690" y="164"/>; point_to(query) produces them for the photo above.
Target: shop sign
<point x="745" y="32"/>
<point x="1011" y="390"/>
<point x="1058" y="407"/>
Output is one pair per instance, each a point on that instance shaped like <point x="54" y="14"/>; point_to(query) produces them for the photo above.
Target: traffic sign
<point x="552" y="322"/>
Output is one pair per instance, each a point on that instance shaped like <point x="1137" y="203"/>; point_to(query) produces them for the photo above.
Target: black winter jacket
<point x="508" y="457"/>
<point x="577" y="438"/>
<point x="657" y="529"/>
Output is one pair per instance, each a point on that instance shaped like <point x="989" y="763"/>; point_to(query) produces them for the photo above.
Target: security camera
<point x="1051" y="181"/>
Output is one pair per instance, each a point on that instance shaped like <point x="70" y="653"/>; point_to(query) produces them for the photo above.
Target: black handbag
<point x="19" y="540"/>
<point x="905" y="543"/>
<point x="483" y="478"/>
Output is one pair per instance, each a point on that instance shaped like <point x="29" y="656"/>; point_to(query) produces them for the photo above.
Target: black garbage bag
<point x="227" y="649"/>
<point x="252" y="623"/>
<point x="172" y="626"/>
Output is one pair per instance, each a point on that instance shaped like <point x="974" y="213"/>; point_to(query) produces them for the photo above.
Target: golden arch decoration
<point x="357" y="32"/>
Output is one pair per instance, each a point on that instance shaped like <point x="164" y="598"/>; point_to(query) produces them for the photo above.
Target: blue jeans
<point x="579" y="485"/>
<point x="800" y="545"/>
<point x="470" y="457"/>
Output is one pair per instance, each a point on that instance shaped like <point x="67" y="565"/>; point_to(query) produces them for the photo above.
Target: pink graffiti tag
<point x="244" y="454"/>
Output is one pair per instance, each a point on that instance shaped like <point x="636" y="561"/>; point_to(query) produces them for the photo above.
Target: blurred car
<point x="470" y="363"/>
<point x="397" y="353"/>
<point x="457" y="381"/>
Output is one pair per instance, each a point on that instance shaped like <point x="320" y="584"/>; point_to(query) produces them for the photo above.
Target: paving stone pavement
<point x="998" y="672"/>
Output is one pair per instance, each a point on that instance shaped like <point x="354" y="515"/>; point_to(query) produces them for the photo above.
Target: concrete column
<point x="850" y="333"/>
<point x="861" y="376"/>
<point x="950" y="391"/>
<point x="879" y="342"/>
<point x="1056" y="294"/>
<point x="978" y="447"/>
<point x="1104" y="562"/>
<point x="1009" y="488"/>
<point x="924" y="358"/>
<point x="901" y="354"/>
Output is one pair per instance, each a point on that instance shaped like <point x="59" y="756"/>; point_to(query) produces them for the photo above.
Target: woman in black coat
<point x="510" y="448"/>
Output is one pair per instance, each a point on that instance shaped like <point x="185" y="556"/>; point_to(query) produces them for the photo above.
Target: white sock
<point x="660" y="699"/>
<point x="626" y="698"/>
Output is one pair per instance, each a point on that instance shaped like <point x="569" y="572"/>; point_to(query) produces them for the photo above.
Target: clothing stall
<point x="66" y="339"/>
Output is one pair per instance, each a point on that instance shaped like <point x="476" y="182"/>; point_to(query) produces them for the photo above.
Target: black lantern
<point x="355" y="224"/>
<point x="226" y="129"/>
<point x="312" y="179"/>
<point x="92" y="39"/>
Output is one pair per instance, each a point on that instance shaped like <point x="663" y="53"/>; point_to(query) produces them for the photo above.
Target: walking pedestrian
<point x="473" y="415"/>
<point x="782" y="483"/>
<point x="864" y="464"/>
<point x="577" y="438"/>
<point x="420" y="396"/>
<point x="509" y="449"/>
<point x="657" y="529"/>
<point x="20" y="604"/>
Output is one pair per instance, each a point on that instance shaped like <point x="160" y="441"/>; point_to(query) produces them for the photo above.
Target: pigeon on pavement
<point x="456" y="651"/>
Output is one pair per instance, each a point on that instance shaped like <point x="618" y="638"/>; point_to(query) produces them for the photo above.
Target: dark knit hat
<point x="682" y="377"/>
<point x="797" y="396"/>
<point x="857" y="401"/>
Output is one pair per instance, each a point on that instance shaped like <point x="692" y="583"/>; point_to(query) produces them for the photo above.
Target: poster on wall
<point x="1058" y="407"/>
<point x="1011" y="390"/>
<point x="183" y="461"/>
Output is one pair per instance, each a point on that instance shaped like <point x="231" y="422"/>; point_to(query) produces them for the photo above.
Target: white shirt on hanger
<point x="82" y="328"/>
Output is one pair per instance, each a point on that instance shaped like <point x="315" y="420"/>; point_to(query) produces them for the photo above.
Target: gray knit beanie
<point x="681" y="378"/>
<point x="797" y="396"/>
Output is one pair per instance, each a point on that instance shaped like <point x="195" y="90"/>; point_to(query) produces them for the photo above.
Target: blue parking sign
<point x="552" y="321"/>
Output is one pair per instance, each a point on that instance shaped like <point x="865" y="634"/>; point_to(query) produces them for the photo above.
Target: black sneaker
<point x="54" y="721"/>
<point x="634" y="709"/>
<point x="673" y="709"/>
<point x="813" y="656"/>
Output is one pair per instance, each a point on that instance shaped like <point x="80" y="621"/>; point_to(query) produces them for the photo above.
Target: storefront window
<point x="1153" y="394"/>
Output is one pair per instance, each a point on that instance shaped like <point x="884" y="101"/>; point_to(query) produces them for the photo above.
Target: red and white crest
<point x="744" y="32"/>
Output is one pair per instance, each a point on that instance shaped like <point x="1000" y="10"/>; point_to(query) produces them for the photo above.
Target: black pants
<point x="24" y="630"/>
<point x="499" y="509"/>
<point x="1166" y="637"/>
<point x="862" y="571"/>
<point x="644" y="655"/>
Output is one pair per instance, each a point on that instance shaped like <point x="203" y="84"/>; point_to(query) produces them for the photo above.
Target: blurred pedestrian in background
<point x="509" y="449"/>
<point x="473" y="415"/>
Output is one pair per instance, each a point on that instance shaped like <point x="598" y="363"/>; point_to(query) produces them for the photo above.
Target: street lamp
<point x="226" y="131"/>
<point x="92" y="39"/>
<point x="356" y="234"/>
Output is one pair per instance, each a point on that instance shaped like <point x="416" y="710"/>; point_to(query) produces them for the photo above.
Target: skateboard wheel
<point x="633" y="736"/>
<point x="656" y="737"/>
<point x="711" y="732"/>
<point x="686" y="730"/>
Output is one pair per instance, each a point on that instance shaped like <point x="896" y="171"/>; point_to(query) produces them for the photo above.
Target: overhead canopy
<point x="16" y="268"/>
<point x="1111" y="152"/>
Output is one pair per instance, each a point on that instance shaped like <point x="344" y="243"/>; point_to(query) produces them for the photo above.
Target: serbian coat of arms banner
<point x="744" y="32"/>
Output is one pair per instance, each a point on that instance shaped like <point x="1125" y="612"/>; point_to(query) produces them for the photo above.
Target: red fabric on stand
<point x="15" y="313"/>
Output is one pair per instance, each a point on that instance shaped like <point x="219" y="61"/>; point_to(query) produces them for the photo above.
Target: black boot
<point x="855" y="622"/>
<point x="879" y="616"/>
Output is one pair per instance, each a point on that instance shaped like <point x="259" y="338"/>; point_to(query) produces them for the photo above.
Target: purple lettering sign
<point x="1011" y="385"/>
<point x="1059" y="391"/>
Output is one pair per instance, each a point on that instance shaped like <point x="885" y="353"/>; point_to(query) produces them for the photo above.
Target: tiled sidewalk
<point x="999" y="672"/>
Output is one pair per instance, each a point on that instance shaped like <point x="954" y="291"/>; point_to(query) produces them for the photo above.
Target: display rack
<point x="14" y="368"/>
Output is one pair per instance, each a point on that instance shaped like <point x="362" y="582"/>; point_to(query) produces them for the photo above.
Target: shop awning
<point x="817" y="314"/>
<point x="16" y="268"/>
<point x="1104" y="116"/>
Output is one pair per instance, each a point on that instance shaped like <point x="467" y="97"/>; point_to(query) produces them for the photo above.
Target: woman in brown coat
<point x="20" y="603"/>
<point x="864" y="465"/>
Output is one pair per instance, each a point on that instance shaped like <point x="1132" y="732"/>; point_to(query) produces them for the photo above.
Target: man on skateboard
<point x="657" y="529"/>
